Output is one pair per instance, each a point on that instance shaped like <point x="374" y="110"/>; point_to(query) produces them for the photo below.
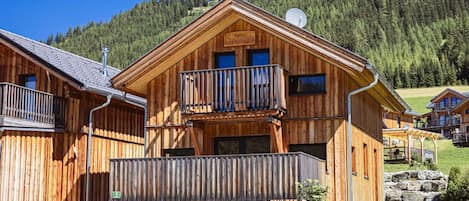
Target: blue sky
<point x="37" y="19"/>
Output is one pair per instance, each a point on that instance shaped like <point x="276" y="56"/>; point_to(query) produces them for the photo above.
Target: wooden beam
<point x="276" y="133"/>
<point x="194" y="140"/>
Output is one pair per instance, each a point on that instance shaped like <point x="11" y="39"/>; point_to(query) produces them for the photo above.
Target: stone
<point x="412" y="196"/>
<point x="413" y="186"/>
<point x="387" y="177"/>
<point x="390" y="185"/>
<point x="399" y="176"/>
<point x="402" y="185"/>
<point x="432" y="196"/>
<point x="433" y="186"/>
<point x="429" y="175"/>
<point x="393" y="195"/>
<point x="413" y="174"/>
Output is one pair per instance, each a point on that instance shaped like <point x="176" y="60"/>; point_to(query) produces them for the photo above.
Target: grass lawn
<point x="419" y="104"/>
<point x="448" y="156"/>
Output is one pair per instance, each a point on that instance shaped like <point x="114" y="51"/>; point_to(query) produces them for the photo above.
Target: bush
<point x="430" y="165"/>
<point x="458" y="186"/>
<point x="311" y="190"/>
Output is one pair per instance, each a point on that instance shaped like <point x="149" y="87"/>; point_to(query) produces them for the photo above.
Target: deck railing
<point x="224" y="177"/>
<point x="460" y="138"/>
<point x="32" y="105"/>
<point x="232" y="89"/>
<point x="455" y="121"/>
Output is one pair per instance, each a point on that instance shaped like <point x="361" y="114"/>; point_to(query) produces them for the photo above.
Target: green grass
<point x="419" y="104"/>
<point x="448" y="156"/>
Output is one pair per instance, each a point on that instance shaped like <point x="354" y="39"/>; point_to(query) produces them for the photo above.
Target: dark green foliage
<point x="458" y="186"/>
<point x="414" y="43"/>
<point x="311" y="190"/>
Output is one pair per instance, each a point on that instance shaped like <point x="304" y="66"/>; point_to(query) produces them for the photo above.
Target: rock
<point x="399" y="176"/>
<point x="414" y="174"/>
<point x="393" y="195"/>
<point x="433" y="186"/>
<point x="413" y="186"/>
<point x="412" y="196"/>
<point x="402" y="185"/>
<point x="432" y="196"/>
<point x="387" y="177"/>
<point x="429" y="175"/>
<point x="390" y="185"/>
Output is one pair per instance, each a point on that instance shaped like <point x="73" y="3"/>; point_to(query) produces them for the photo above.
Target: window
<point x="307" y="84"/>
<point x="28" y="81"/>
<point x="467" y="111"/>
<point x="225" y="60"/>
<point x="365" y="160"/>
<point x="443" y="103"/>
<point x="354" y="164"/>
<point x="442" y="120"/>
<point x="467" y="129"/>
<point x="242" y="145"/>
<point x="178" y="152"/>
<point x="455" y="101"/>
<point x="258" y="57"/>
<point x="317" y="150"/>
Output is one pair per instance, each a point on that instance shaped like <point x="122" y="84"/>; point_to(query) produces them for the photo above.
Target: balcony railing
<point x="453" y="122"/>
<point x="460" y="138"/>
<point x="224" y="177"/>
<point x="232" y="89"/>
<point x="23" y="107"/>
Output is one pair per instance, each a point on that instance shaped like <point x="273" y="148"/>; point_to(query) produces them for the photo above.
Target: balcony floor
<point x="6" y="121"/>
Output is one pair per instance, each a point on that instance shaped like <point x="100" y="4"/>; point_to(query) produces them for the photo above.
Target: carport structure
<point x="406" y="135"/>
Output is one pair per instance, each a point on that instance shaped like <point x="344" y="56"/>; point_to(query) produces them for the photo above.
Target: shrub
<point x="458" y="186"/>
<point x="311" y="190"/>
<point x="429" y="164"/>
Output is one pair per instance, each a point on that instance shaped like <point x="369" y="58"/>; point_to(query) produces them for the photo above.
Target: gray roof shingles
<point x="83" y="70"/>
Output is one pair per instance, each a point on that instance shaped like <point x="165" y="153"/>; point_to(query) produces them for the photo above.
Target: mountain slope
<point x="415" y="43"/>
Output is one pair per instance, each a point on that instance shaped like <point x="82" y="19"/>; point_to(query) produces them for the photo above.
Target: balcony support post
<point x="409" y="148"/>
<point x="195" y="142"/>
<point x="276" y="133"/>
<point x="422" y="152"/>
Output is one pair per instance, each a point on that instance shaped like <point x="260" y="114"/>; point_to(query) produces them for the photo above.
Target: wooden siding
<point x="390" y="120"/>
<point x="50" y="166"/>
<point x="228" y="177"/>
<point x="319" y="118"/>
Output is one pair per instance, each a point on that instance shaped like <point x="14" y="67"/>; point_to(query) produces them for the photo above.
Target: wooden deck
<point x="224" y="177"/>
<point x="23" y="107"/>
<point x="239" y="89"/>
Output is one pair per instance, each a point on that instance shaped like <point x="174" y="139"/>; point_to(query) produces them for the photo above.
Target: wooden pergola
<point x="407" y="134"/>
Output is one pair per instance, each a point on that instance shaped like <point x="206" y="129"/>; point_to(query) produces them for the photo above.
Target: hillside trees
<point x="414" y="43"/>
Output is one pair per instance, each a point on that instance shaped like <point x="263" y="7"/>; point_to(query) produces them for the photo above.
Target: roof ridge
<point x="57" y="49"/>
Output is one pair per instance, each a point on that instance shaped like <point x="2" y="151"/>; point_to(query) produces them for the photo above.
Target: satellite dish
<point x="296" y="17"/>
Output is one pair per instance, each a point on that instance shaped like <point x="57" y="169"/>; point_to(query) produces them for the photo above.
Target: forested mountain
<point x="414" y="43"/>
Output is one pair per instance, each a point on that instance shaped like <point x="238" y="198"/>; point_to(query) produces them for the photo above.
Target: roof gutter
<point x="349" y="130"/>
<point x="89" y="143"/>
<point x="119" y="96"/>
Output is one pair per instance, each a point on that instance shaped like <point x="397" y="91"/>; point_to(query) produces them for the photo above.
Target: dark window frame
<point x="22" y="79"/>
<point x="250" y="51"/>
<point x="292" y="92"/>
<point x="290" y="148"/>
<point x="241" y="140"/>
<point x="354" y="161"/>
<point x="165" y="152"/>
<point x="467" y="111"/>
<point x="215" y="61"/>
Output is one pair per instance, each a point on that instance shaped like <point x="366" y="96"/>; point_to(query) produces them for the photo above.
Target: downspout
<point x="88" y="151"/>
<point x="349" y="130"/>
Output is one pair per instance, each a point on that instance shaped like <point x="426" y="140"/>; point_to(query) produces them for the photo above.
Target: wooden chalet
<point x="441" y="119"/>
<point x="46" y="95"/>
<point x="460" y="136"/>
<point x="235" y="90"/>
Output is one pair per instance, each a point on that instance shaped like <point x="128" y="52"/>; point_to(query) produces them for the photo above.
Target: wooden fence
<point x="232" y="89"/>
<point x="225" y="177"/>
<point x="28" y="104"/>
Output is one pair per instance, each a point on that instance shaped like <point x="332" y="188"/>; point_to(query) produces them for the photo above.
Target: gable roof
<point x="84" y="73"/>
<point x="449" y="90"/>
<point x="135" y="77"/>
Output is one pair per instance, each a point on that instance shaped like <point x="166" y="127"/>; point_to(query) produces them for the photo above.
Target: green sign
<point x="116" y="195"/>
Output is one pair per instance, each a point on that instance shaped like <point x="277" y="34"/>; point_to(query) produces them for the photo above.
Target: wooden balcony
<point x="27" y="108"/>
<point x="224" y="177"/>
<point x="460" y="139"/>
<point x="233" y="90"/>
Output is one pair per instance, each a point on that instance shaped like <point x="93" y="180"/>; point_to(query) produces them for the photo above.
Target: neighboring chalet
<point x="440" y="119"/>
<point x="461" y="135"/>
<point x="239" y="88"/>
<point x="46" y="95"/>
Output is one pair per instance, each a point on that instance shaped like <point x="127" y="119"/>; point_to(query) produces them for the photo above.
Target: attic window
<point x="467" y="111"/>
<point x="307" y="84"/>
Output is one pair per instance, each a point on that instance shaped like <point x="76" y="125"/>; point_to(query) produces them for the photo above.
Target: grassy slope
<point x="448" y="156"/>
